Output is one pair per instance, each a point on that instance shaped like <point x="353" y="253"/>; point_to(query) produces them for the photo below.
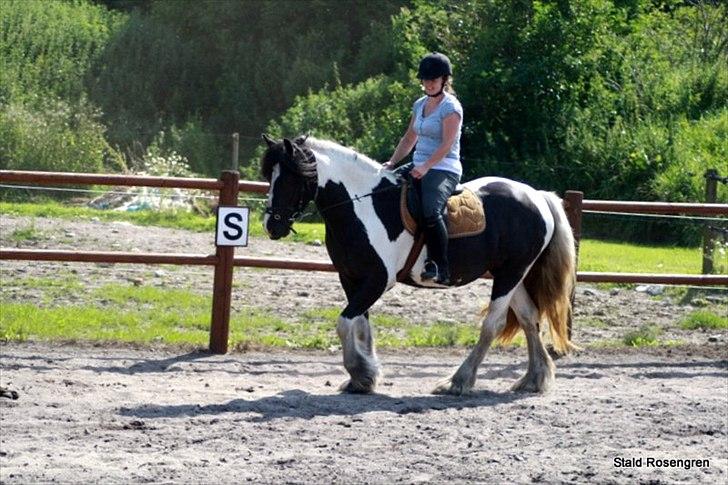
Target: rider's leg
<point x="437" y="266"/>
<point x="437" y="185"/>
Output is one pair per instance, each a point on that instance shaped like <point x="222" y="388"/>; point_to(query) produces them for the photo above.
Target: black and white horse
<point x="527" y="246"/>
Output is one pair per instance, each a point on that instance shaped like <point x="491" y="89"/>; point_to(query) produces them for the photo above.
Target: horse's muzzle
<point x="277" y="230"/>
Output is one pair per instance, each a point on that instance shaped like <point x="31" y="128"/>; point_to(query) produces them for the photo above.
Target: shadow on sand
<point x="303" y="405"/>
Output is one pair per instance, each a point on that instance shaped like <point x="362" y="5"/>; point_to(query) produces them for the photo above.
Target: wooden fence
<point x="224" y="261"/>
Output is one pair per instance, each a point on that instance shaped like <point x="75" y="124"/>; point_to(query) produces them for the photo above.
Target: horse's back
<point x="518" y="225"/>
<point x="505" y="198"/>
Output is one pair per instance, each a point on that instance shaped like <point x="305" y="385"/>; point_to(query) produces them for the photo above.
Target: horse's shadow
<point x="303" y="405"/>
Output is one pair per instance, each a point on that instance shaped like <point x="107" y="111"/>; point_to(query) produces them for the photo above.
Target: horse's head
<point x="290" y="168"/>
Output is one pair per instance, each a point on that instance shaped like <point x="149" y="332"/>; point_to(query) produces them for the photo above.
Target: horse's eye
<point x="277" y="217"/>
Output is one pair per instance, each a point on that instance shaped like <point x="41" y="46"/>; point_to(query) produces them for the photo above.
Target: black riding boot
<point x="437" y="267"/>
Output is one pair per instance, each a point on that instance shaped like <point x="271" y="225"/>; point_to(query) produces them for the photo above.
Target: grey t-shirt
<point x="429" y="133"/>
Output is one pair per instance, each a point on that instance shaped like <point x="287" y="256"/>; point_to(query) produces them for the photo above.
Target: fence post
<point x="573" y="200"/>
<point x="711" y="194"/>
<point x="236" y="152"/>
<point x="223" y="282"/>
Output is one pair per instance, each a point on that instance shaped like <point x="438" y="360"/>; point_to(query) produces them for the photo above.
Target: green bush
<point x="46" y="48"/>
<point x="370" y="116"/>
<point x="55" y="137"/>
<point x="229" y="66"/>
<point x="698" y="145"/>
<point x="206" y="153"/>
<point x="46" y="122"/>
<point x="621" y="100"/>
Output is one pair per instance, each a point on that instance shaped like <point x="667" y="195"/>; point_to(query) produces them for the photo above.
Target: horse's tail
<point x="552" y="279"/>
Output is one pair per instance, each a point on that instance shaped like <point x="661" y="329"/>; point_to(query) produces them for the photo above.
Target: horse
<point x="527" y="246"/>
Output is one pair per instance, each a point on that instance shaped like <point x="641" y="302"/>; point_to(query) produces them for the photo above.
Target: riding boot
<point x="437" y="267"/>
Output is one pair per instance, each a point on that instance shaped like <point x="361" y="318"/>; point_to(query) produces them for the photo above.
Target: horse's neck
<point x="358" y="174"/>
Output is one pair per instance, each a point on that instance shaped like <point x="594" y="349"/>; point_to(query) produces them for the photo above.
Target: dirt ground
<point x="119" y="414"/>
<point x="122" y="415"/>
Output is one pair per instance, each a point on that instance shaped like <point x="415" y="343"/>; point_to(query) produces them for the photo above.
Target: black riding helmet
<point x="434" y="65"/>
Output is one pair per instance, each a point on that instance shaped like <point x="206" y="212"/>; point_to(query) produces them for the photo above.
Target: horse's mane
<point x="302" y="162"/>
<point x="336" y="156"/>
<point x="339" y="153"/>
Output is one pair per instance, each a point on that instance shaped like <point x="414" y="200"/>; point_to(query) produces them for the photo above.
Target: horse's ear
<point x="301" y="139"/>
<point x="270" y="141"/>
<point x="289" y="147"/>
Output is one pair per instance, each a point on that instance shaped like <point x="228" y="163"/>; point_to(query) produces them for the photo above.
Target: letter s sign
<point x="232" y="226"/>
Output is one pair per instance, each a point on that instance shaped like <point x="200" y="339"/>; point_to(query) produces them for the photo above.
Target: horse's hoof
<point x="532" y="383"/>
<point x="355" y="387"/>
<point x="451" y="388"/>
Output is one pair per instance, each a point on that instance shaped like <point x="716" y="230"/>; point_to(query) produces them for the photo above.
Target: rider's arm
<point x="406" y="144"/>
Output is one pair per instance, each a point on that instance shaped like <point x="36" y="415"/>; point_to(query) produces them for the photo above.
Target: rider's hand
<point x="419" y="172"/>
<point x="388" y="165"/>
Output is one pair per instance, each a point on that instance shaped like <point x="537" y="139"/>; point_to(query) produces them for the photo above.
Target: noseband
<point x="288" y="214"/>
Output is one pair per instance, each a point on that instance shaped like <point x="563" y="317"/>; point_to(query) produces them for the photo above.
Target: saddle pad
<point x="465" y="214"/>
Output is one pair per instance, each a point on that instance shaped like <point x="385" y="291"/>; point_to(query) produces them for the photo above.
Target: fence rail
<point x="312" y="265"/>
<point x="630" y="207"/>
<point x="224" y="260"/>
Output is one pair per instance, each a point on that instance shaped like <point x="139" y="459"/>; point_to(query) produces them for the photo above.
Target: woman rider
<point x="434" y="132"/>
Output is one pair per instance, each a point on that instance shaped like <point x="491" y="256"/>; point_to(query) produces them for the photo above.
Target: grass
<point x="147" y="314"/>
<point x="633" y="258"/>
<point x="593" y="322"/>
<point x="307" y="231"/>
<point x="645" y="336"/>
<point x="24" y="234"/>
<point x="704" y="320"/>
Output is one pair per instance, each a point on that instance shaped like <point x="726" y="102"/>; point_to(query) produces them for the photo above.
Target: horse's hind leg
<point x="464" y="378"/>
<point x="540" y="373"/>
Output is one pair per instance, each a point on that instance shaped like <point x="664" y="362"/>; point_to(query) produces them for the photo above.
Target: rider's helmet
<point x="433" y="66"/>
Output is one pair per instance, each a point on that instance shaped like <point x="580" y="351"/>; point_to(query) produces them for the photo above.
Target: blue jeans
<point x="435" y="187"/>
<point x="433" y="190"/>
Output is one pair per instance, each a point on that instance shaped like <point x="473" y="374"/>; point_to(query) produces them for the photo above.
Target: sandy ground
<point x="121" y="415"/>
<point x="89" y="414"/>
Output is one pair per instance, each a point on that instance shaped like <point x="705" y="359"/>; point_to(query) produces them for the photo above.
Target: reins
<point x="297" y="214"/>
<point x="359" y="197"/>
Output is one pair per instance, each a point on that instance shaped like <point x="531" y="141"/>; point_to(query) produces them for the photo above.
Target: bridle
<point x="307" y="193"/>
<point x="290" y="214"/>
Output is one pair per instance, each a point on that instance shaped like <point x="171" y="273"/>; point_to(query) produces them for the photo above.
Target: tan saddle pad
<point x="465" y="214"/>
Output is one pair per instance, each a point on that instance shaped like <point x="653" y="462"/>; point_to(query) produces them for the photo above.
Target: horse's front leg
<point x="357" y="341"/>
<point x="360" y="357"/>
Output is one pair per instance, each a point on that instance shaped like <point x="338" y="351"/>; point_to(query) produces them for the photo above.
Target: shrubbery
<point x="624" y="99"/>
<point x="54" y="137"/>
<point x="46" y="122"/>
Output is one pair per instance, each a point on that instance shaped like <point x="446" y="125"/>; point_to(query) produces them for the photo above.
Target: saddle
<point x="465" y="214"/>
<point x="465" y="217"/>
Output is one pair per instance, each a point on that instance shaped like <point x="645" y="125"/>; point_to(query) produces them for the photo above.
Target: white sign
<point x="232" y="226"/>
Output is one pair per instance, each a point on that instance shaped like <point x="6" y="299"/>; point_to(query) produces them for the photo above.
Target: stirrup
<point x="443" y="279"/>
<point x="430" y="271"/>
